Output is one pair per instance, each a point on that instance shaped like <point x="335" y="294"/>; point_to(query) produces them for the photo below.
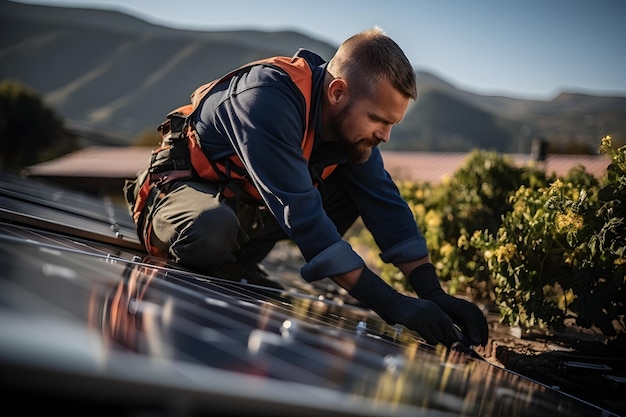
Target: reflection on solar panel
<point x="89" y="323"/>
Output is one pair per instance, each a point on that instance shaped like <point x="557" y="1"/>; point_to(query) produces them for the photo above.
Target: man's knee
<point x="209" y="241"/>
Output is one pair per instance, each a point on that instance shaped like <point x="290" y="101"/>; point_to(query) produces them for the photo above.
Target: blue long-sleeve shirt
<point x="260" y="116"/>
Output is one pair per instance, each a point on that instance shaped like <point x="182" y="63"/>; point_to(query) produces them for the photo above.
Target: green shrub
<point x="30" y="132"/>
<point x="544" y="249"/>
<point x="559" y="253"/>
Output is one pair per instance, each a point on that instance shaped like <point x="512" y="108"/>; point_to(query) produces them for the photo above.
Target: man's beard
<point x="356" y="152"/>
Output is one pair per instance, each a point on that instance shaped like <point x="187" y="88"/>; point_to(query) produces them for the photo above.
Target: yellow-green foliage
<point x="559" y="253"/>
<point x="544" y="249"/>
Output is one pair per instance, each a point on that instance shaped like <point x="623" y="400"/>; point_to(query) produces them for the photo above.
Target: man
<point x="287" y="149"/>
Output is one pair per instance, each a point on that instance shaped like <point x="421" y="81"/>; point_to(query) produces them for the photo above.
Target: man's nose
<point x="384" y="134"/>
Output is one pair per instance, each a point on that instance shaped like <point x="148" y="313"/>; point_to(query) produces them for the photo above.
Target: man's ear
<point x="337" y="91"/>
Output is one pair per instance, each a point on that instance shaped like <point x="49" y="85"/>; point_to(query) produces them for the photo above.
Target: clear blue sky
<point x="524" y="48"/>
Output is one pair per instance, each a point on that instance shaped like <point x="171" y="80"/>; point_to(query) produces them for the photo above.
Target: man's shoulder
<point x="311" y="57"/>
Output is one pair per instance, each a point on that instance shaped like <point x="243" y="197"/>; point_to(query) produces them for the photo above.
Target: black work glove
<point x="423" y="316"/>
<point x="466" y="315"/>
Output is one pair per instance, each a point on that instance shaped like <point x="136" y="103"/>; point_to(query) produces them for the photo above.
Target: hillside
<point x="114" y="77"/>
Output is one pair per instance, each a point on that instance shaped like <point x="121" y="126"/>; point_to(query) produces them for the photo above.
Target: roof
<point x="432" y="167"/>
<point x="90" y="323"/>
<point x="95" y="162"/>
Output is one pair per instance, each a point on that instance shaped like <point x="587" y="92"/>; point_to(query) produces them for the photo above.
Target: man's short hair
<point x="369" y="56"/>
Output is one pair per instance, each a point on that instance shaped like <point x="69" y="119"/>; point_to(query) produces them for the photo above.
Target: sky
<point x="531" y="49"/>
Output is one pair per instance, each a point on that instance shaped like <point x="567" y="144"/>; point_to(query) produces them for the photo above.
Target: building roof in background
<point x="95" y="162"/>
<point x="433" y="167"/>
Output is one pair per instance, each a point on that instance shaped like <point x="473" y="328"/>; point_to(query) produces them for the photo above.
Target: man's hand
<point x="467" y="315"/>
<point x="425" y="317"/>
<point x="422" y="316"/>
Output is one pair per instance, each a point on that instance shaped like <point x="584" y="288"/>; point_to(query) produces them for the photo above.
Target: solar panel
<point x="89" y="322"/>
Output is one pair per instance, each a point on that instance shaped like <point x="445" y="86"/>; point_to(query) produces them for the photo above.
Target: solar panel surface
<point x="90" y="324"/>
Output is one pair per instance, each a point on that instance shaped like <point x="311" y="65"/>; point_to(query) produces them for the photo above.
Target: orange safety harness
<point x="173" y="160"/>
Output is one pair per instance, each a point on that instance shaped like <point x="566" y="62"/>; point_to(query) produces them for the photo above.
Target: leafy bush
<point x="30" y="131"/>
<point x="474" y="198"/>
<point x="545" y="250"/>
<point x="559" y="254"/>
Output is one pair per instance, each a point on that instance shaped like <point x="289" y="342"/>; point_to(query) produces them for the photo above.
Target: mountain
<point x="114" y="77"/>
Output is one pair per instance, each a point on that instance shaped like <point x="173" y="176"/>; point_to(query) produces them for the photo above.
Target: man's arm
<point x="408" y="267"/>
<point x="348" y="279"/>
<point x="423" y="316"/>
<point x="423" y="278"/>
<point x="432" y="315"/>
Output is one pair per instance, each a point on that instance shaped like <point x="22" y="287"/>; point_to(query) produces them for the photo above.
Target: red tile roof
<point x="95" y="162"/>
<point x="125" y="162"/>
<point x="433" y="167"/>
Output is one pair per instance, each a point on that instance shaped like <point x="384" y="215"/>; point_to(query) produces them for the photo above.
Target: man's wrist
<point x="425" y="282"/>
<point x="375" y="294"/>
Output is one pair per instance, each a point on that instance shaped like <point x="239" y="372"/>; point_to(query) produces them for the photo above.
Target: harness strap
<point x="232" y="171"/>
<point x="299" y="72"/>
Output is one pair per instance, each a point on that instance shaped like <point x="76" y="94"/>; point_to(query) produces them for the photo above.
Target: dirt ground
<point x="580" y="362"/>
